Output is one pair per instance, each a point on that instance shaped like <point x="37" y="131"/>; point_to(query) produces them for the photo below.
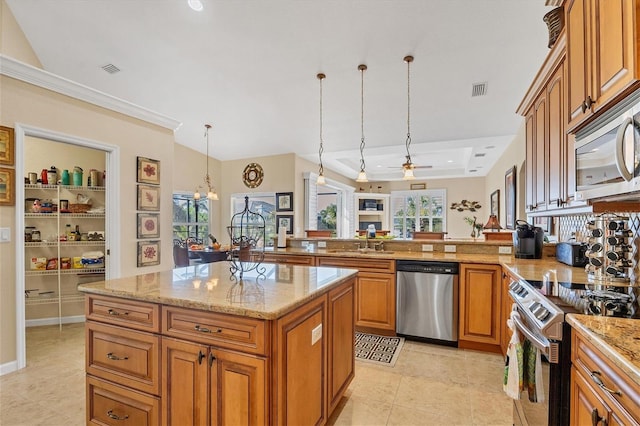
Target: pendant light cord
<point x="408" y="60"/>
<point x="321" y="149"/>
<point x="362" y="68"/>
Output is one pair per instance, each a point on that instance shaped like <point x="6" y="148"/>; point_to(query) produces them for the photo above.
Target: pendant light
<point x="321" y="180"/>
<point x="211" y="191"/>
<point x="408" y="166"/>
<point x="362" y="176"/>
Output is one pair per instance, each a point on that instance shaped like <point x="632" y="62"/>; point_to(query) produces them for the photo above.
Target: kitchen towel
<point x="282" y="237"/>
<point x="513" y="380"/>
<point x="533" y="372"/>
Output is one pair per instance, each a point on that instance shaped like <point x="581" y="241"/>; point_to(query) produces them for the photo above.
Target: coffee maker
<point x="527" y="240"/>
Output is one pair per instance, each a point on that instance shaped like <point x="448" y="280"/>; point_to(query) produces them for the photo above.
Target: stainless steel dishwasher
<point x="427" y="301"/>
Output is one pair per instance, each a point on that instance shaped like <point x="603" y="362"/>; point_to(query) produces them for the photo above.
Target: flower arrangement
<point x="476" y="228"/>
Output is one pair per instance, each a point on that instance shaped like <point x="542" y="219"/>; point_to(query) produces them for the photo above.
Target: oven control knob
<point x="523" y="292"/>
<point x="515" y="286"/>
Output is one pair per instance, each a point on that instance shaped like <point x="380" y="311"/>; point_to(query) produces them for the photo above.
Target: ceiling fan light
<point x="362" y="177"/>
<point x="321" y="180"/>
<point x="408" y="174"/>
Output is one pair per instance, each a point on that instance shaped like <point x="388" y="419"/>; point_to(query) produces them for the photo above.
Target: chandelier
<point x="321" y="180"/>
<point x="408" y="166"/>
<point x="211" y="191"/>
<point x="362" y="176"/>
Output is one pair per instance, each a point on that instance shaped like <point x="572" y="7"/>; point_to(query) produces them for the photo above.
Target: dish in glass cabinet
<point x="252" y="175"/>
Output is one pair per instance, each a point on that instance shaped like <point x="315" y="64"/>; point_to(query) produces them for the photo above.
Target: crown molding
<point x="13" y="68"/>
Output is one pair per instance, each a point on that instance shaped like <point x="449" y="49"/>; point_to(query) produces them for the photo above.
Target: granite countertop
<point x="617" y="338"/>
<point x="528" y="269"/>
<point x="211" y="287"/>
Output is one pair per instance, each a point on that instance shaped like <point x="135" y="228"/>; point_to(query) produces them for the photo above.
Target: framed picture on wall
<point x="495" y="203"/>
<point x="7" y="187"/>
<point x="148" y="225"/>
<point x="284" y="201"/>
<point x="286" y="221"/>
<point x="148" y="171"/>
<point x="7" y="145"/>
<point x="148" y="198"/>
<point x="148" y="253"/>
<point x="510" y="198"/>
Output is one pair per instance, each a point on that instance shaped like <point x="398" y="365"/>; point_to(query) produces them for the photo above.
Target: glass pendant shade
<point x="362" y="177"/>
<point x="212" y="195"/>
<point x="321" y="180"/>
<point x="196" y="195"/>
<point x="408" y="174"/>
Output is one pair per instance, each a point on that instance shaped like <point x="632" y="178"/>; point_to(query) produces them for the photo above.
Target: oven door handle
<point x="544" y="346"/>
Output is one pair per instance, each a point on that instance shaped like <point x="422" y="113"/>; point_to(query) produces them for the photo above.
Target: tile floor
<point x="429" y="385"/>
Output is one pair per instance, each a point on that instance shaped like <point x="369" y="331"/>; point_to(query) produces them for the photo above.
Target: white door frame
<point x="112" y="216"/>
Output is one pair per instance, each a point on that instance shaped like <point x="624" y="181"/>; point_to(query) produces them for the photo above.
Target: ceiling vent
<point x="479" y="89"/>
<point x="110" y="68"/>
<point x="480" y="154"/>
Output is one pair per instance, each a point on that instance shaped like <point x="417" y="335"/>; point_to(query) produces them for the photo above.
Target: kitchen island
<point x="196" y="345"/>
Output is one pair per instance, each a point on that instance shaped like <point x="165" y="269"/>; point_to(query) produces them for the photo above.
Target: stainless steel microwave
<point x="608" y="158"/>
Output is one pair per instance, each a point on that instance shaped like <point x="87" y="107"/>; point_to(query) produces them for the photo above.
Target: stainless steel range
<point x="540" y="310"/>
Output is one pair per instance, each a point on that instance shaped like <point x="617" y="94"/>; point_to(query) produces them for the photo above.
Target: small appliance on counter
<point x="528" y="240"/>
<point x="572" y="253"/>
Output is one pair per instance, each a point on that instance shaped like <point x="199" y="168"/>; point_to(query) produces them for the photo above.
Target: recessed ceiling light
<point x="489" y="147"/>
<point x="450" y="161"/>
<point x="379" y="165"/>
<point x="196" y="5"/>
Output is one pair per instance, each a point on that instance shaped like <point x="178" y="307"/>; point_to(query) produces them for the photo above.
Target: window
<point x="327" y="210"/>
<point x="190" y="217"/>
<point x="263" y="204"/>
<point x="328" y="206"/>
<point x="418" y="211"/>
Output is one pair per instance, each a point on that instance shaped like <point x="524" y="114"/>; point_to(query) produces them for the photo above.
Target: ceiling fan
<point x="409" y="165"/>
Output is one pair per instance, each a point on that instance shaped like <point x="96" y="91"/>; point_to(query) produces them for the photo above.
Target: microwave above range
<point x="608" y="158"/>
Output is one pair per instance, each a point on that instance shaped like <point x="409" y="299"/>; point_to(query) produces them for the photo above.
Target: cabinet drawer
<point x="290" y="259"/>
<point x="593" y="365"/>
<point x="128" y="313"/>
<point x="224" y="331"/>
<point x="110" y="404"/>
<point x="362" y="264"/>
<point x="131" y="358"/>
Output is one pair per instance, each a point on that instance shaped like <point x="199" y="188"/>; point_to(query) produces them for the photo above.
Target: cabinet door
<point x="530" y="161"/>
<point x="541" y="146"/>
<point x="238" y="388"/>
<point x="110" y="404"/>
<point x="480" y="307"/>
<point x="185" y="383"/>
<point x="376" y="301"/>
<point x="577" y="50"/>
<point x="301" y="365"/>
<point x="506" y="313"/>
<point x="614" y="59"/>
<point x="556" y="137"/>
<point x="341" y="331"/>
<point x="586" y="407"/>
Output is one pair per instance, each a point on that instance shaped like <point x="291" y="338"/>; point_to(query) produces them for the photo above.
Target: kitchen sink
<point x="360" y="251"/>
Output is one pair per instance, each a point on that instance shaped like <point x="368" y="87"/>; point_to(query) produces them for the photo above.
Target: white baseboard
<point x="9" y="367"/>
<point x="54" y="321"/>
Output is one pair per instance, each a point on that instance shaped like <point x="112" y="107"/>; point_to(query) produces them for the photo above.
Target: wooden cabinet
<point x="507" y="303"/>
<point x="290" y="259"/>
<point x="341" y="363"/>
<point x="206" y="385"/>
<point x="480" y="307"/>
<point x="375" y="292"/>
<point x="602" y="56"/>
<point x="600" y="392"/>
<point x="111" y="404"/>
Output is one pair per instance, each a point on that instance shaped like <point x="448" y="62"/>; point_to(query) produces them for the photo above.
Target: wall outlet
<point x="322" y="244"/>
<point x="505" y="250"/>
<point x="449" y="249"/>
<point x="316" y="334"/>
<point x="427" y="247"/>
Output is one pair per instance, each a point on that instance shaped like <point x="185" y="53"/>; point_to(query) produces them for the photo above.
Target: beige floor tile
<point x="361" y="411"/>
<point x="490" y="408"/>
<point x="374" y="384"/>
<point x="426" y="394"/>
<point x="438" y="367"/>
<point x="411" y="416"/>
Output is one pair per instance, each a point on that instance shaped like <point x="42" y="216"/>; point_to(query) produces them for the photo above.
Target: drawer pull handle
<point x="116" y="313"/>
<point x="206" y="330"/>
<point x="115" y="416"/>
<point x="595" y="418"/>
<point x="595" y="375"/>
<point x="113" y="357"/>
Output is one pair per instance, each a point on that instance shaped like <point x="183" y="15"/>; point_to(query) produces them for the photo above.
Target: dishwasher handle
<point x="427" y="267"/>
